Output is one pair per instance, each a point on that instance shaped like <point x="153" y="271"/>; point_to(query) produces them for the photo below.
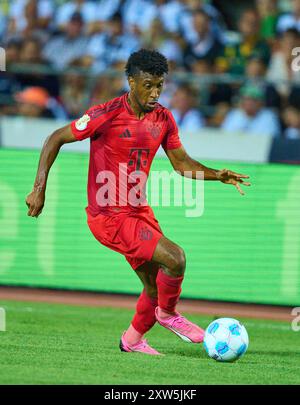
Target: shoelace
<point x="180" y="322"/>
<point x="142" y="344"/>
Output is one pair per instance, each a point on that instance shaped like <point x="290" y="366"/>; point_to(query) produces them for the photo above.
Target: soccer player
<point x="125" y="134"/>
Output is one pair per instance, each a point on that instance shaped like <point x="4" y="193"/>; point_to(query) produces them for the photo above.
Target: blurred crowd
<point x="232" y="71"/>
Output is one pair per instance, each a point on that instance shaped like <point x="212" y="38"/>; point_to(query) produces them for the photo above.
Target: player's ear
<point x="131" y="83"/>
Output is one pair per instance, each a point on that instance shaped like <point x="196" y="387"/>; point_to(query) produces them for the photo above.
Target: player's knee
<point x="178" y="268"/>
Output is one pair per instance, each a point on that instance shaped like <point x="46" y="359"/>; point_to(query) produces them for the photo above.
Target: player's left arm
<point x="188" y="167"/>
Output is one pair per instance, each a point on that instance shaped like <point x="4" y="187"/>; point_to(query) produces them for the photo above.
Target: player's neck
<point x="135" y="106"/>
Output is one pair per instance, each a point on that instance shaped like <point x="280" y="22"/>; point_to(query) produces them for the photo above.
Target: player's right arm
<point x="36" y="199"/>
<point x="94" y="121"/>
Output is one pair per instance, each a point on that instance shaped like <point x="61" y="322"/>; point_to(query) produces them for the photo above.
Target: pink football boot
<point x="141" y="347"/>
<point x="186" y="330"/>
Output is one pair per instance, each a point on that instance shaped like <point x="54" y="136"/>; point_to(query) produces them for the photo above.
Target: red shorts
<point x="133" y="234"/>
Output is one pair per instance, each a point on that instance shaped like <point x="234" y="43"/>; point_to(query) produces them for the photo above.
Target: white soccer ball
<point x="226" y="339"/>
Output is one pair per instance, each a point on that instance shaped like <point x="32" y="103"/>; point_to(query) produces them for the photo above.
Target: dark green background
<point x="241" y="249"/>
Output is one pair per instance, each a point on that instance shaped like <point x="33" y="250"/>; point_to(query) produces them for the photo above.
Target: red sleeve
<point x="93" y="121"/>
<point x="171" y="139"/>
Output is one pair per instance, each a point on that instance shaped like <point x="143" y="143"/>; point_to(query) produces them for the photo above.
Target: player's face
<point x="146" y="90"/>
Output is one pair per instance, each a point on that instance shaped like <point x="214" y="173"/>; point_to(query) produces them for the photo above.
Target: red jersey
<point x="121" y="146"/>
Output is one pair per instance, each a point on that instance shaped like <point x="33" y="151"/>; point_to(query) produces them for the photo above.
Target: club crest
<point x="154" y="129"/>
<point x="81" y="124"/>
<point x="145" y="234"/>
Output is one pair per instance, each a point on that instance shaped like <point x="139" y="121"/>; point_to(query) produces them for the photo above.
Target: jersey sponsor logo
<point x="145" y="234"/>
<point x="139" y="157"/>
<point x="125" y="134"/>
<point x="154" y="128"/>
<point x="81" y="124"/>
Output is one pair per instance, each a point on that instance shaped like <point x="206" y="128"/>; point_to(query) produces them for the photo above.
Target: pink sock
<point x="169" y="289"/>
<point x="132" y="336"/>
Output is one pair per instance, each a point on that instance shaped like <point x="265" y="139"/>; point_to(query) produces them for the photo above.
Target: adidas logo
<point x="125" y="134"/>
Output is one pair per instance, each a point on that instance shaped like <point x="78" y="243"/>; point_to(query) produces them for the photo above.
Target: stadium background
<point x="242" y="249"/>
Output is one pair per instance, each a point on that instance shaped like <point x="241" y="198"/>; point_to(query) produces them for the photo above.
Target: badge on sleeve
<point x="81" y="124"/>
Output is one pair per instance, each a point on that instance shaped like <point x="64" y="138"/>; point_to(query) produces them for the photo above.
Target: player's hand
<point x="35" y="202"/>
<point x="228" y="177"/>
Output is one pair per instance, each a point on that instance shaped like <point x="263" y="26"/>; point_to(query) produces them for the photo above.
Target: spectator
<point x="206" y="44"/>
<point x="269" y="15"/>
<point x="33" y="102"/>
<point x="220" y="111"/>
<point x="8" y="82"/>
<point x="32" y="59"/>
<point x="105" y="9"/>
<point x="109" y="86"/>
<point x="36" y="102"/>
<point x="12" y="56"/>
<point x="29" y="16"/>
<point x="291" y="20"/>
<point x="190" y="33"/>
<point x="255" y="74"/>
<point x="169" y="13"/>
<point x="251" y="117"/>
<point x="110" y="47"/>
<point x="255" y="69"/>
<point x="235" y="56"/>
<point x="156" y="37"/>
<point x="291" y="119"/>
<point x="212" y="92"/>
<point x="118" y="83"/>
<point x="74" y="94"/>
<point x="12" y="52"/>
<point x="190" y="7"/>
<point x="216" y="92"/>
<point x="280" y="71"/>
<point x="138" y="15"/>
<point x="67" y="49"/>
<point x="187" y="117"/>
<point x="202" y="67"/>
<point x="101" y="90"/>
<point x="3" y="23"/>
<point x="87" y="10"/>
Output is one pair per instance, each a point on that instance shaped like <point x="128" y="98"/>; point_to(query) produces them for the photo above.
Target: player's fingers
<point x="30" y="208"/>
<point x="35" y="209"/>
<point x="238" y="175"/>
<point x="239" y="189"/>
<point x="242" y="176"/>
<point x="244" y="183"/>
<point x="35" y="212"/>
<point x="39" y="213"/>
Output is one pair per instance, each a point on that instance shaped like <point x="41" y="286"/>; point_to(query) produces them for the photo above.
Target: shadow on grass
<point x="275" y="353"/>
<point x="187" y="352"/>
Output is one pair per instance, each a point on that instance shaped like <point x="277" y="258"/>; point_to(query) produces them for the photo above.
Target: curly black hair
<point x="148" y="61"/>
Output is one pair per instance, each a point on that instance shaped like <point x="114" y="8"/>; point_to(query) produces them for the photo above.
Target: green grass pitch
<point x="59" y="344"/>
